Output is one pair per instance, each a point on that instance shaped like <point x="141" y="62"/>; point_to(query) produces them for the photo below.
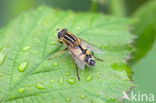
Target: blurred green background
<point x="11" y="8"/>
<point x="143" y="11"/>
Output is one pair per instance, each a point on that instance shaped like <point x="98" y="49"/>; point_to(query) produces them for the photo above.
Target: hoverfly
<point x="81" y="51"/>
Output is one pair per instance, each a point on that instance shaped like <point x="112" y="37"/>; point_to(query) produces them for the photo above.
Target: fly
<point x="81" y="51"/>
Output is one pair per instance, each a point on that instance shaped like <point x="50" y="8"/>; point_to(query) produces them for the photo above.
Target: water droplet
<point x="26" y="48"/>
<point x="78" y="28"/>
<point x="40" y="86"/>
<point x="22" y="67"/>
<point x="55" y="64"/>
<point x="89" y="78"/>
<point x="52" y="81"/>
<point x="53" y="43"/>
<point x="71" y="80"/>
<point x="55" y="34"/>
<point x="61" y="81"/>
<point x="21" y="90"/>
<point x="68" y="99"/>
<point x="2" y="58"/>
<point x="82" y="96"/>
<point x="67" y="74"/>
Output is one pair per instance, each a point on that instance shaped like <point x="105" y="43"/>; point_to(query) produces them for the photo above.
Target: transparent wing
<point x="79" y="63"/>
<point x="91" y="47"/>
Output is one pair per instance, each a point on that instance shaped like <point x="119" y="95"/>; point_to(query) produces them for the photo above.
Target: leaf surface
<point x="27" y="76"/>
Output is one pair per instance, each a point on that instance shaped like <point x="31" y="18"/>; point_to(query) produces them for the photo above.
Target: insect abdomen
<point x="90" y="61"/>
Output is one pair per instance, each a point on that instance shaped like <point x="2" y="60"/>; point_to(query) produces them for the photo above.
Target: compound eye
<point x="92" y="63"/>
<point x="59" y="34"/>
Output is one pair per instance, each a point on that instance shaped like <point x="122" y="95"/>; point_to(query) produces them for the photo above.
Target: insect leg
<point x="77" y="72"/>
<point x="60" y="41"/>
<point x="97" y="57"/>
<point x="59" y="53"/>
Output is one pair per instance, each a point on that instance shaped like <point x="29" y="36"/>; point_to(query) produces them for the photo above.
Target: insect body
<point x="68" y="38"/>
<point x="81" y="51"/>
<point x="82" y="57"/>
<point x="78" y="48"/>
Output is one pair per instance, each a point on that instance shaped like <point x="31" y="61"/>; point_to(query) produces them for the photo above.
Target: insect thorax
<point x="71" y="40"/>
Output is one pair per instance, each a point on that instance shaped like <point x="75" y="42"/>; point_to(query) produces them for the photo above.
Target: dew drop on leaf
<point x="82" y="96"/>
<point x="89" y="78"/>
<point x="78" y="28"/>
<point x="68" y="99"/>
<point x="53" y="43"/>
<point x="71" y="80"/>
<point x="52" y="81"/>
<point x="40" y="68"/>
<point x="2" y="58"/>
<point x="67" y="74"/>
<point x="26" y="48"/>
<point x="22" y="67"/>
<point x="40" y="86"/>
<point x="21" y="90"/>
<point x="55" y="64"/>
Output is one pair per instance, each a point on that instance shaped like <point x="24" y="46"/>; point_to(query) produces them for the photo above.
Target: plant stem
<point x="117" y="7"/>
<point x="94" y="6"/>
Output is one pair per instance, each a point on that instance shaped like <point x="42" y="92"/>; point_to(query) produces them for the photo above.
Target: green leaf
<point x="146" y="48"/>
<point x="26" y="74"/>
<point x="145" y="28"/>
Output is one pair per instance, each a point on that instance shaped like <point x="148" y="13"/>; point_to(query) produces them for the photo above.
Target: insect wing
<point x="91" y="47"/>
<point x="79" y="62"/>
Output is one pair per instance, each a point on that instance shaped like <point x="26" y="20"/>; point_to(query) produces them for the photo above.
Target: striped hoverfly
<point x="81" y="51"/>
